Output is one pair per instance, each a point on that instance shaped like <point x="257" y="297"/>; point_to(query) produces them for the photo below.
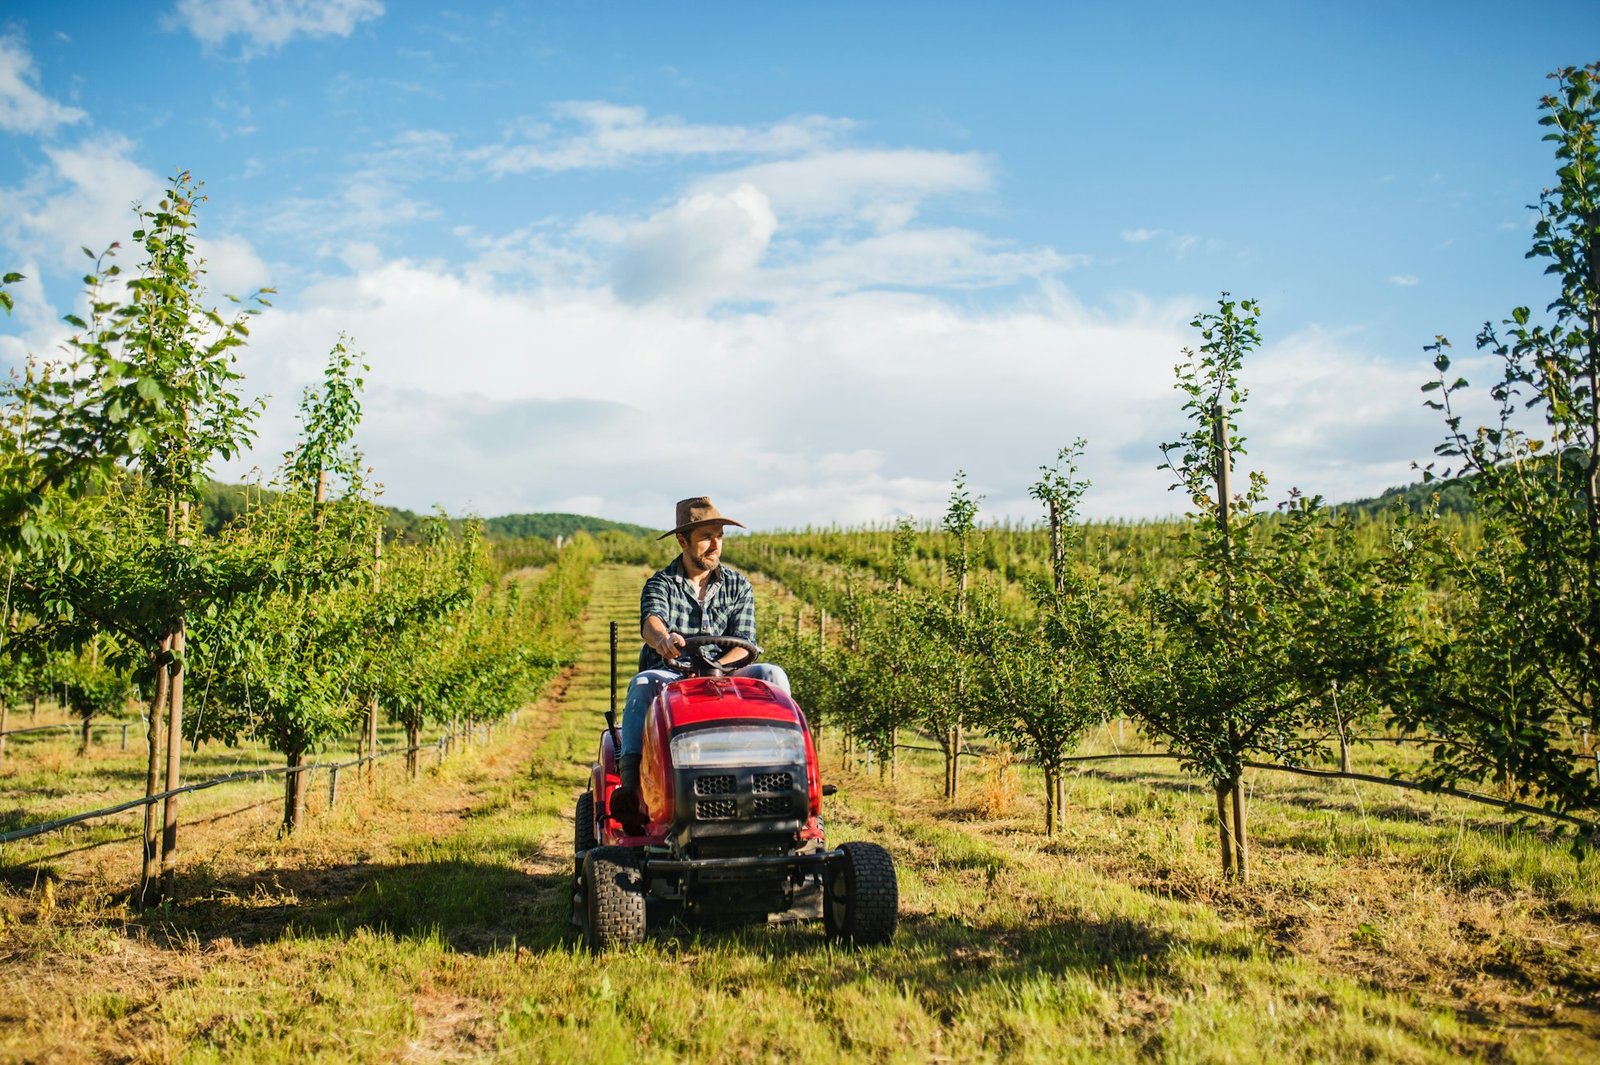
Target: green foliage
<point x="1513" y="671"/>
<point x="11" y="277"/>
<point x="329" y="416"/>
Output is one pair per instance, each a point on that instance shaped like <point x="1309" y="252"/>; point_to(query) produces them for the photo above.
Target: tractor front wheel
<point x="613" y="898"/>
<point x="861" y="899"/>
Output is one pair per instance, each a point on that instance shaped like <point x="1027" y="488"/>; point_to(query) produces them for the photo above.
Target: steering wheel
<point x="698" y="665"/>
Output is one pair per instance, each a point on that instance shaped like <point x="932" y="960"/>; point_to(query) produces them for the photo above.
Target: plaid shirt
<point x="729" y="610"/>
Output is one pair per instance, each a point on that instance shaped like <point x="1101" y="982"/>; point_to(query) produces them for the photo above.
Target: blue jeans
<point x="643" y="687"/>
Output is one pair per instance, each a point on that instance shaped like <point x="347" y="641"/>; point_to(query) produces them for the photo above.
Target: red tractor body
<point x="732" y="794"/>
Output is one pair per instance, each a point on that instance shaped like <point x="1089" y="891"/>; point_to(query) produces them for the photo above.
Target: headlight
<point x="742" y="745"/>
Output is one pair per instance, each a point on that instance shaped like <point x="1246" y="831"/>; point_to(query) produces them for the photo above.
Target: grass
<point x="430" y="923"/>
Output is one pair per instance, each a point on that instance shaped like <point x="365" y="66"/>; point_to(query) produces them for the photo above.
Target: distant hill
<point x="549" y="526"/>
<point x="1454" y="498"/>
<point x="224" y="502"/>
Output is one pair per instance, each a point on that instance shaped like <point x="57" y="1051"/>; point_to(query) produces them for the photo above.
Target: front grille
<point x="772" y="805"/>
<point x="773" y="782"/>
<point x="716" y="809"/>
<point x="717" y="785"/>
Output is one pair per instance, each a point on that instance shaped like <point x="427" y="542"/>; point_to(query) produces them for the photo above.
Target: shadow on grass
<point x="948" y="957"/>
<point x="472" y="907"/>
<point x="1340" y="801"/>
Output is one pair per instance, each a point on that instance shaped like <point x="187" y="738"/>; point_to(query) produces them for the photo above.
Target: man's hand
<point x="669" y="646"/>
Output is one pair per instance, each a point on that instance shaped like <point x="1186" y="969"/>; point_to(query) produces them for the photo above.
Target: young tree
<point x="150" y="381"/>
<point x="1225" y="661"/>
<point x="1040" y="693"/>
<point x="90" y="686"/>
<point x="283" y="662"/>
<point x="1516" y="670"/>
<point x="945" y="706"/>
<point x="1059" y="489"/>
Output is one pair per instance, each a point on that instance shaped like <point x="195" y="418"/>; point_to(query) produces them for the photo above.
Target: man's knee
<point x="772" y="674"/>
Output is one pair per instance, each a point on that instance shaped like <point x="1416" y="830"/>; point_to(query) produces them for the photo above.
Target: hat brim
<point x="697" y="524"/>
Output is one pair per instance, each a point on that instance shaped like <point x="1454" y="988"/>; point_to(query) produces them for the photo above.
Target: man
<point x="694" y="596"/>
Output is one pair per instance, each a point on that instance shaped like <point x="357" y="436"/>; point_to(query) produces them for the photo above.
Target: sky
<point x="808" y="259"/>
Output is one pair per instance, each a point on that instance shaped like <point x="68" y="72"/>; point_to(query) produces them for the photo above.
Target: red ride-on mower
<point x="733" y="801"/>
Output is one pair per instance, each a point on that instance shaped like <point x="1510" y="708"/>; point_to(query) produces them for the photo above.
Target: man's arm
<point x="654" y="609"/>
<point x="669" y="645"/>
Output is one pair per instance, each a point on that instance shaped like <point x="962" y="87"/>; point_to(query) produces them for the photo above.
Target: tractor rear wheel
<point x="583" y="839"/>
<point x="613" y="898"/>
<point x="860" y="898"/>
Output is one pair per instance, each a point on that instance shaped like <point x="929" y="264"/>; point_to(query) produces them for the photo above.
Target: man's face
<point x="702" y="547"/>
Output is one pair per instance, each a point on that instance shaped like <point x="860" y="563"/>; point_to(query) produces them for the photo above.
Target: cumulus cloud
<point x="590" y="134"/>
<point x="266" y="25"/>
<point x="855" y="406"/>
<point x="1404" y="280"/>
<point x="696" y="250"/>
<point x="23" y="108"/>
<point x="84" y="198"/>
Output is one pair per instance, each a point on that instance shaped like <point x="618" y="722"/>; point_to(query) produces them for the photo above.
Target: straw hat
<point x="696" y="511"/>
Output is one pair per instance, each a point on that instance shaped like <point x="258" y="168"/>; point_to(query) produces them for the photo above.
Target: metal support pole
<point x="124" y="737"/>
<point x="611" y="714"/>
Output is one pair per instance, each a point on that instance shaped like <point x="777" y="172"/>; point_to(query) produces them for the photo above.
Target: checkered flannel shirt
<point x="729" y="610"/>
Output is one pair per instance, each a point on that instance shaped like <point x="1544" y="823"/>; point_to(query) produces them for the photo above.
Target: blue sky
<point x="809" y="259"/>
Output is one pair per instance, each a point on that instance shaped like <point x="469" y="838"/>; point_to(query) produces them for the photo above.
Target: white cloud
<point x="363" y="203"/>
<point x="266" y="25"/>
<point x="915" y="258"/>
<point x="1139" y="236"/>
<point x="232" y="266"/>
<point x="83" y="199"/>
<point x="23" y="108"/>
<point x="609" y="135"/>
<point x="863" y="181"/>
<point x="852" y="407"/>
<point x="1404" y="280"/>
<point x="696" y="250"/>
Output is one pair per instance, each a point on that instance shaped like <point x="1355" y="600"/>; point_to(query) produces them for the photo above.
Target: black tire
<point x="861" y="898"/>
<point x="613" y="899"/>
<point x="583" y="838"/>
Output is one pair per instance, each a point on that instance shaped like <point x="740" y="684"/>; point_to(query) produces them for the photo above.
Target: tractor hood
<point x="719" y="724"/>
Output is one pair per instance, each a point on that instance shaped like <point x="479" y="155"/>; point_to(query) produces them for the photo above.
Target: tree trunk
<point x="83" y="739"/>
<point x="1241" y="837"/>
<point x="372" y="709"/>
<point x="5" y="715"/>
<point x="894" y="754"/>
<point x="149" y="875"/>
<point x="955" y="764"/>
<point x="1344" y="752"/>
<point x="1224" y="830"/>
<point x="372" y="740"/>
<point x="1057" y="561"/>
<point x="412" y="728"/>
<point x="294" y="791"/>
<point x="33" y="712"/>
<point x="1049" y="801"/>
<point x="169" y="810"/>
